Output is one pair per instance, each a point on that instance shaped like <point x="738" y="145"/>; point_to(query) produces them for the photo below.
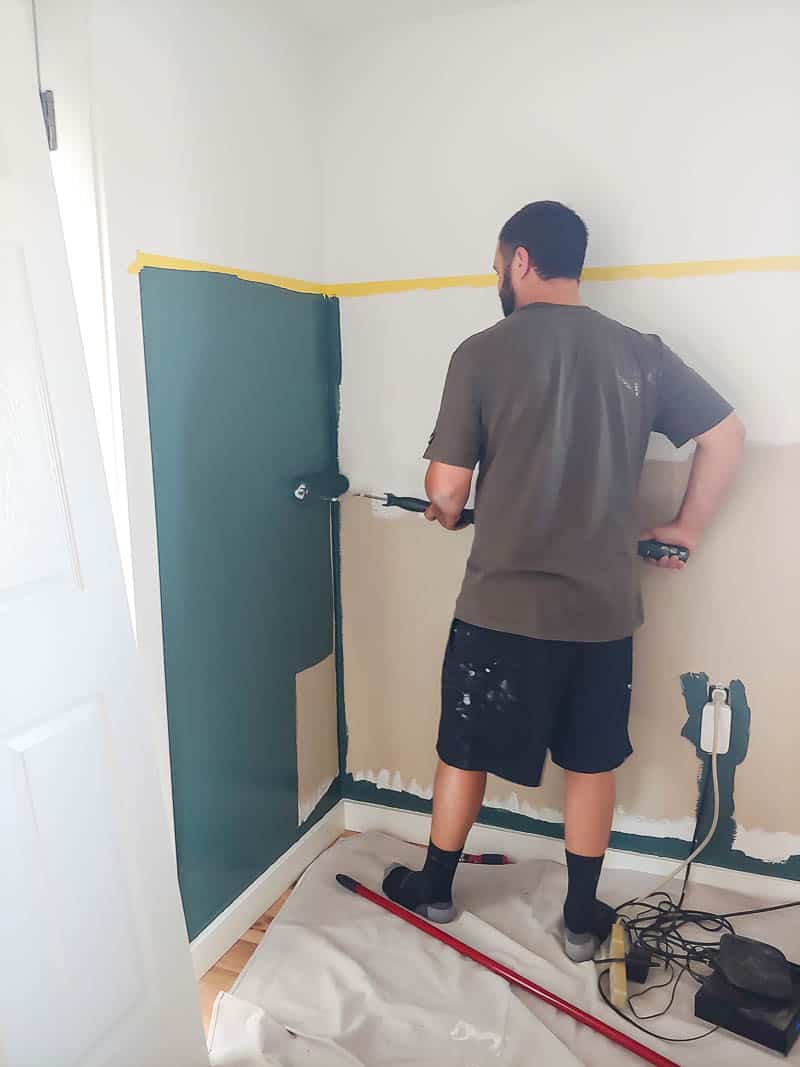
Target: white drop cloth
<point x="358" y="986"/>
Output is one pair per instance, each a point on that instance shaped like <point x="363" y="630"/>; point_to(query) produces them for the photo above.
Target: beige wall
<point x="317" y="741"/>
<point x="732" y="615"/>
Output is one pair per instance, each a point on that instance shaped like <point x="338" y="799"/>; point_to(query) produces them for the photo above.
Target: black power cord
<point x="669" y="936"/>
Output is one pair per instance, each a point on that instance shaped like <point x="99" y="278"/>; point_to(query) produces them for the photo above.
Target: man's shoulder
<point x="622" y="332"/>
<point x="487" y="343"/>
<point x="477" y="344"/>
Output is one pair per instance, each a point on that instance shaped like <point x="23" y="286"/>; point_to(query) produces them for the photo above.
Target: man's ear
<point x="522" y="263"/>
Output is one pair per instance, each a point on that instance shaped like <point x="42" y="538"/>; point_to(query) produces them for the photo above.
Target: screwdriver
<point x="647" y="549"/>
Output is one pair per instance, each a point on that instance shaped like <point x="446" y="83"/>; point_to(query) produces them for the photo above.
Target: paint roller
<point x="647" y="549"/>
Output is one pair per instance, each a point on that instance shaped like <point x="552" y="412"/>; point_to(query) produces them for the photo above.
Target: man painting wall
<point x="555" y="405"/>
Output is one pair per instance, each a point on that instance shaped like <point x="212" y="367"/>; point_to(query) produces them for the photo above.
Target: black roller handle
<point x="415" y="503"/>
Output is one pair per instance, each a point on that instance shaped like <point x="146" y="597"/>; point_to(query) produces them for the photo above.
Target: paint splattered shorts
<point x="507" y="699"/>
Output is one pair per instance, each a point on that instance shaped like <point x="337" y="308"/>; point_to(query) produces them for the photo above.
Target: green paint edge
<point x="341" y="717"/>
<point x="661" y="847"/>
<point x="334" y="333"/>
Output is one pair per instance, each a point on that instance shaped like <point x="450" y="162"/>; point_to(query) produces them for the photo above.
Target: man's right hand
<point x="672" y="534"/>
<point x="718" y="454"/>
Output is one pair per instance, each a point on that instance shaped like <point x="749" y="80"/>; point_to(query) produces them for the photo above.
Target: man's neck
<point x="556" y="291"/>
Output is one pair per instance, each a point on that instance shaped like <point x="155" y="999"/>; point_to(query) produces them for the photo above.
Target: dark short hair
<point x="553" y="235"/>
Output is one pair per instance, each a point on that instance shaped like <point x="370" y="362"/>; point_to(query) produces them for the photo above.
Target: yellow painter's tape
<point x="297" y="285"/>
<point x="689" y="269"/>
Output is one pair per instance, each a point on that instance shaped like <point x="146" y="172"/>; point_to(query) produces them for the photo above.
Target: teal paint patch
<point x="241" y="388"/>
<point x="721" y="852"/>
<point x="695" y="695"/>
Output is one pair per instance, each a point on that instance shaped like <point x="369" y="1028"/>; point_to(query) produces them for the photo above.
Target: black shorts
<point x="507" y="699"/>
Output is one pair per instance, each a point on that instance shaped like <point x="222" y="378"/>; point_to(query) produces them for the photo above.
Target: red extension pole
<point x="630" y="1043"/>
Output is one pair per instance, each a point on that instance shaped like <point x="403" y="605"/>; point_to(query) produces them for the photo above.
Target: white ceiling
<point x="331" y="15"/>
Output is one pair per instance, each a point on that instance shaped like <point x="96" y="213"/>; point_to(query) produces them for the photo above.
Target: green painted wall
<point x="242" y="383"/>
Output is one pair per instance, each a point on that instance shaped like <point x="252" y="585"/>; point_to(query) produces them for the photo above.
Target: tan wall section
<point x="317" y="743"/>
<point x="732" y="614"/>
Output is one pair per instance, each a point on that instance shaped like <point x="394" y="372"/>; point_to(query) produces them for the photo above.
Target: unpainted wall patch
<point x="307" y="805"/>
<point x="624" y="822"/>
<point x="385" y="779"/>
<point x="317" y="742"/>
<point x="769" y="846"/>
<point x="656" y="836"/>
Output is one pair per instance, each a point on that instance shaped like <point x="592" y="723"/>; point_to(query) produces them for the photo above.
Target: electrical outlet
<point x="724" y="688"/>
<point x="723" y="723"/>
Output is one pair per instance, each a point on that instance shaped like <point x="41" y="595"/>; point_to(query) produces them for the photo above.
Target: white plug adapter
<point x="718" y="706"/>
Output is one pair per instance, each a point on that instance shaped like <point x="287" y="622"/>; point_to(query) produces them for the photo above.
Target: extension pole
<point x="629" y="1043"/>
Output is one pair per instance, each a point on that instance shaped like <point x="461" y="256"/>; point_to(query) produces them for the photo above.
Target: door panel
<point x="34" y="530"/>
<point x="62" y="772"/>
<point x="241" y="381"/>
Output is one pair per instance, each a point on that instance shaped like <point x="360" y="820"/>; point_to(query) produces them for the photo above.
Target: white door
<point x="94" y="959"/>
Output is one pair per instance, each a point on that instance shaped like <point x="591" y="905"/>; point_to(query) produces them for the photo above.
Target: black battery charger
<point x="754" y="992"/>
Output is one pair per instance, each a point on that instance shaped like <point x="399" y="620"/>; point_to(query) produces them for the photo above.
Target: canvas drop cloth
<point x="357" y="986"/>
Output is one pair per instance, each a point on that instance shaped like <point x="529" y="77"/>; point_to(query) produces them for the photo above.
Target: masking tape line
<point x="692" y="268"/>
<point x="689" y="269"/>
<point x="297" y="285"/>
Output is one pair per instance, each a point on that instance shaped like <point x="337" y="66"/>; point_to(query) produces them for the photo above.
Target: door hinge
<point x="49" y="112"/>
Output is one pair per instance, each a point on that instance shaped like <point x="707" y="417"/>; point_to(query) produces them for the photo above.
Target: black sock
<point x="440" y="866"/>
<point x="432" y="885"/>
<point x="583" y="912"/>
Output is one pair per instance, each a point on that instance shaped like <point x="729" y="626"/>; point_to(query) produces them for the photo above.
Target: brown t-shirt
<point x="556" y="403"/>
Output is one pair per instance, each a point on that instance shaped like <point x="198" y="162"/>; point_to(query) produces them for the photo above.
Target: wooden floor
<point x="227" y="969"/>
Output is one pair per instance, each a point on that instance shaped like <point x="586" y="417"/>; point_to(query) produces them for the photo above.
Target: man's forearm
<point x="448" y="490"/>
<point x="718" y="455"/>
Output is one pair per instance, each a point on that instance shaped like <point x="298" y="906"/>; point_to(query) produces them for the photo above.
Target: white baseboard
<point x="415" y="827"/>
<point x="239" y="916"/>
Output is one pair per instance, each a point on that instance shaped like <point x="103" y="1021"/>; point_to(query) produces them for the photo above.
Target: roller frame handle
<point x="417" y="504"/>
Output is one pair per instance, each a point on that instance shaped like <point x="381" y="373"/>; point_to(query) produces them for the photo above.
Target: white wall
<point x="667" y="127"/>
<point x="670" y="126"/>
